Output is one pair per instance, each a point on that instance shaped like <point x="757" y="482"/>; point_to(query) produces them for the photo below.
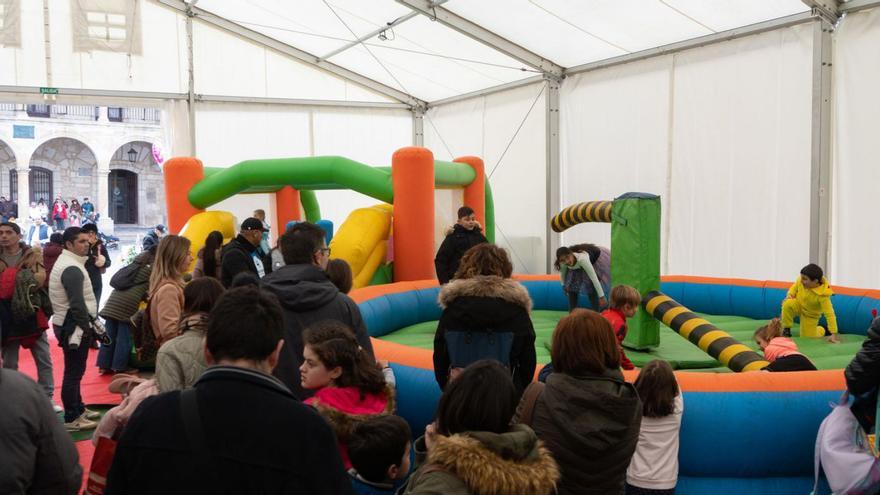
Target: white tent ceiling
<point x="388" y="42"/>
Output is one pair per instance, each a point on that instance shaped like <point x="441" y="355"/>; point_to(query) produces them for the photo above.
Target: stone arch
<point x="149" y="181"/>
<point x="7" y="164"/>
<point x="73" y="165"/>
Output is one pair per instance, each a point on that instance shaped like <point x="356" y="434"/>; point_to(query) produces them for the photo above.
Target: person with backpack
<point x="465" y="234"/>
<point x="582" y="270"/>
<point x="586" y="414"/>
<point x="15" y="256"/>
<point x="130" y="285"/>
<point x="485" y="316"/>
<point x="166" y="287"/>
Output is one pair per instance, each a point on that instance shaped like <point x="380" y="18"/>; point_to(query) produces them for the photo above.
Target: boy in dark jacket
<point x="465" y="234"/>
<point x="624" y="304"/>
<point x="379" y="452"/>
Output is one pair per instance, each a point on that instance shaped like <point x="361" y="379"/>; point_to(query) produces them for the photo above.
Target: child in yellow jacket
<point x="810" y="297"/>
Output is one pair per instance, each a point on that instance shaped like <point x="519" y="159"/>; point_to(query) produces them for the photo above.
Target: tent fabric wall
<point x="227" y="133"/>
<point x="614" y="138"/>
<point x="721" y="132"/>
<point x="855" y="230"/>
<point x="484" y="127"/>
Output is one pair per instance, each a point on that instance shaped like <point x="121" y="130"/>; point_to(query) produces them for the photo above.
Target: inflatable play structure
<point x="743" y="431"/>
<point x="393" y="241"/>
<point x="749" y="432"/>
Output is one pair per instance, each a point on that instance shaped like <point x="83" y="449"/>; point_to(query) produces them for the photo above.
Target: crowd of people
<point x="42" y="219"/>
<point x="266" y="381"/>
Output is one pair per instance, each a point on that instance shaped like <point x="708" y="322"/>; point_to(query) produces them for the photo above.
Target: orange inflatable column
<point x="412" y="176"/>
<point x="181" y="174"/>
<point x="475" y="192"/>
<point x="286" y="208"/>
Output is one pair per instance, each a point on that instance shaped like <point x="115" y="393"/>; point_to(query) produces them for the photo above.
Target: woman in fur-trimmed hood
<point x="485" y="316"/>
<point x="472" y="450"/>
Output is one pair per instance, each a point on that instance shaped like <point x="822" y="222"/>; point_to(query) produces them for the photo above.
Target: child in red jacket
<point x="624" y="304"/>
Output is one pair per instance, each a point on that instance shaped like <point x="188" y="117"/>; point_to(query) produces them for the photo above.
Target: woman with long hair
<point x="485" y="316"/>
<point x="166" y="286"/>
<point x="584" y="269"/>
<point x="208" y="258"/>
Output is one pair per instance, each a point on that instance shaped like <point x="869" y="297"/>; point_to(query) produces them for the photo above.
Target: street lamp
<point x="132" y="154"/>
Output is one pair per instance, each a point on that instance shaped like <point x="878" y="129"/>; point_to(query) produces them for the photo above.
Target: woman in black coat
<point x="485" y="316"/>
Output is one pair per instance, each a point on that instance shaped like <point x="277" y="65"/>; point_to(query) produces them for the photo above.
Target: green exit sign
<point x="48" y="91"/>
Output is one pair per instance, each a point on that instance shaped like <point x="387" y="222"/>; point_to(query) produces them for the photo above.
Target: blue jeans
<point x="74" y="369"/>
<point x="115" y="356"/>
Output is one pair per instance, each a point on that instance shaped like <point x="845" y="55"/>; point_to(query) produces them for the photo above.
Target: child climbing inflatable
<point x="584" y="269"/>
<point x="810" y="297"/>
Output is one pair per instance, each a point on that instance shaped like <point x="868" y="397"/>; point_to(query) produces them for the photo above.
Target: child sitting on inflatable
<point x="781" y="351"/>
<point x="349" y="387"/>
<point x="810" y="297"/>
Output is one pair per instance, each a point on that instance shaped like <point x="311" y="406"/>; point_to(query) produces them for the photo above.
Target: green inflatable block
<point x="635" y="251"/>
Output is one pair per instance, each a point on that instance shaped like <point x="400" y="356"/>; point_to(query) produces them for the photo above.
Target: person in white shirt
<point x="653" y="469"/>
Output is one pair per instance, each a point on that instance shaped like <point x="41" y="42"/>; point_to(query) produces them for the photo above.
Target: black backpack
<point x="126" y="277"/>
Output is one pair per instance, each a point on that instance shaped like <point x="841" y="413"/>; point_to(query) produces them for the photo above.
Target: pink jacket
<point x="343" y="409"/>
<point x="780" y="347"/>
<point x="117" y="417"/>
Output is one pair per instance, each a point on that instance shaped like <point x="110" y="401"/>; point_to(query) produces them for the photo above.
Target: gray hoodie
<point x="307" y="296"/>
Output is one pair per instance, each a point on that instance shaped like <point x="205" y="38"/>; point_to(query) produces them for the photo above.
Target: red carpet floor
<point x="94" y="389"/>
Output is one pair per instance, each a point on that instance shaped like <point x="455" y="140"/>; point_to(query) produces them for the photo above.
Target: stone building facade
<point x="105" y="154"/>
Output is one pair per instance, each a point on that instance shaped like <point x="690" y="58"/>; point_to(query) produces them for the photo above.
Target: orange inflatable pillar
<point x="412" y="177"/>
<point x="475" y="192"/>
<point x="286" y="208"/>
<point x="181" y="174"/>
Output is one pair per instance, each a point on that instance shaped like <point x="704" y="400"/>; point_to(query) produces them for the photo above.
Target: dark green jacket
<point x="123" y="304"/>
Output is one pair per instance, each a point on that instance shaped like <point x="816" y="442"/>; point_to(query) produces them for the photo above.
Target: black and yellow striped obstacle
<point x="591" y="211"/>
<point x="709" y="338"/>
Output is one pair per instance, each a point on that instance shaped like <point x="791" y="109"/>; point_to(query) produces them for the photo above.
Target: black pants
<point x="573" y="300"/>
<point x="74" y="368"/>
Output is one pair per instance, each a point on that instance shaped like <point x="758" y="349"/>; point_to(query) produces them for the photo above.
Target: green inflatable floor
<point x="680" y="353"/>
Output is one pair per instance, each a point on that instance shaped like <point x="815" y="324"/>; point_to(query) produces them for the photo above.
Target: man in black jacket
<point x="151" y="240"/>
<point x="98" y="262"/>
<point x="240" y="255"/>
<point x="465" y="234"/>
<point x="307" y="296"/>
<point x="257" y="437"/>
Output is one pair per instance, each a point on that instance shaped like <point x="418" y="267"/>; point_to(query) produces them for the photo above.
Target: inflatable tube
<point x="703" y="334"/>
<point x="591" y="211"/>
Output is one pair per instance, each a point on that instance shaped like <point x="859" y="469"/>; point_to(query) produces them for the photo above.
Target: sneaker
<point x="105" y="371"/>
<point x="89" y="414"/>
<point x="80" y="423"/>
<point x="57" y="408"/>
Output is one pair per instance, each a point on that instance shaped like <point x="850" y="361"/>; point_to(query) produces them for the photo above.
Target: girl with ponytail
<point x="781" y="351"/>
<point x="348" y="384"/>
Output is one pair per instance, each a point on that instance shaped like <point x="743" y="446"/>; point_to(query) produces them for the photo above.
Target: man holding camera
<point x="75" y="324"/>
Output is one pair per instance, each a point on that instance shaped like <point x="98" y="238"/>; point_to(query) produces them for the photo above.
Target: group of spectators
<point x="268" y="382"/>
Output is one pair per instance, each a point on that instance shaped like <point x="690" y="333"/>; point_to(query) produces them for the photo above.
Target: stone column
<point x="102" y="202"/>
<point x="24" y="189"/>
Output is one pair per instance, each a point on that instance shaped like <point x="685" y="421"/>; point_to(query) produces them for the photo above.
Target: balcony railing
<point x="75" y="112"/>
<point x="85" y="112"/>
<point x="146" y="115"/>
